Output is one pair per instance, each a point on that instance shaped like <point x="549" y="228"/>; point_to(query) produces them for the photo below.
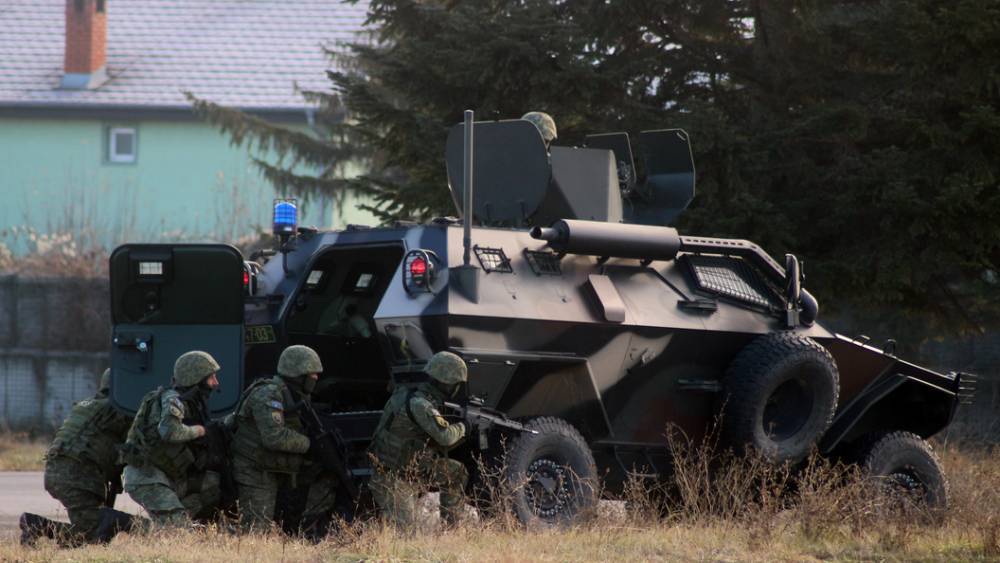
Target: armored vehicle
<point x="580" y="313"/>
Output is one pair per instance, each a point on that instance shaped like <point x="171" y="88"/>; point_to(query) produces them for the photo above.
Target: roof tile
<point x="243" y="53"/>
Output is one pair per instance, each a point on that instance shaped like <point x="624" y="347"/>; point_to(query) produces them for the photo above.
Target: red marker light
<point x="246" y="279"/>
<point x="418" y="267"/>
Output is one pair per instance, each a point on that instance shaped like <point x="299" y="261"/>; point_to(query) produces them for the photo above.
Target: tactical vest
<point x="145" y="447"/>
<point x="398" y="438"/>
<point x="247" y="441"/>
<point x="91" y="434"/>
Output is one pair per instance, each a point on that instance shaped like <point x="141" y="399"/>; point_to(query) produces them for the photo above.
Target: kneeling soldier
<point x="411" y="443"/>
<point x="166" y="471"/>
<point x="82" y="471"/>
<point x="269" y="447"/>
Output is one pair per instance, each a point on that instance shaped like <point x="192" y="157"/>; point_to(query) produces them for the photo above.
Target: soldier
<point x="411" y="442"/>
<point x="545" y="124"/>
<point x="269" y="447"/>
<point x="167" y="469"/>
<point x="82" y="472"/>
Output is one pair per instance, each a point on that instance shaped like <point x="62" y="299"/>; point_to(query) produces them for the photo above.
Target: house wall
<point x="187" y="183"/>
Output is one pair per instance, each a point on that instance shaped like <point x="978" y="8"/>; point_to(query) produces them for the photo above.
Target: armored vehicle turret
<point x="581" y="313"/>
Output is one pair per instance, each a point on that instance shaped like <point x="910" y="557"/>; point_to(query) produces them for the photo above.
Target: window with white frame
<point x="121" y="144"/>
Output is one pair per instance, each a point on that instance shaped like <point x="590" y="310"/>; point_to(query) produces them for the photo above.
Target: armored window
<point x="364" y="282"/>
<point x="314" y="278"/>
<point x="493" y="259"/>
<point x="733" y="278"/>
<point x="543" y="263"/>
<point x="122" y="145"/>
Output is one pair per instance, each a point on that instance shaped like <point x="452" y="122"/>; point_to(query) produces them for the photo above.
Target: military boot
<point x="112" y="522"/>
<point x="34" y="526"/>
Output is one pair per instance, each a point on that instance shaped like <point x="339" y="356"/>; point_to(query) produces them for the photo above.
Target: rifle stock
<point x="325" y="447"/>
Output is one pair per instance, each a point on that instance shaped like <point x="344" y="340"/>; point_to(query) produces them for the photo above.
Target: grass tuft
<point x="21" y="451"/>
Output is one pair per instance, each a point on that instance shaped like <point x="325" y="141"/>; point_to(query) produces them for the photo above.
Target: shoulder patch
<point x="277" y="418"/>
<point x="276" y="405"/>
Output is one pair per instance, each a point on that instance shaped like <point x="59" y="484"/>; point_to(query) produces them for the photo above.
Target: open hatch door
<point x="167" y="299"/>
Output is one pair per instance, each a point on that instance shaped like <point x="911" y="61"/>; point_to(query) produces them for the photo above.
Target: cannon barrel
<point x="621" y="240"/>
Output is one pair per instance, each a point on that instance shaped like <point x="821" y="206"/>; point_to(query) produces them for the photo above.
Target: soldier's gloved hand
<point x="199" y="429"/>
<point x="464" y="429"/>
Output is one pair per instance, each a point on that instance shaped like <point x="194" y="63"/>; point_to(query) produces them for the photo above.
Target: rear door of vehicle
<point x="167" y="299"/>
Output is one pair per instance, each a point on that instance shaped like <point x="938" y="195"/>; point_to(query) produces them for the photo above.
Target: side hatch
<point x="167" y="299"/>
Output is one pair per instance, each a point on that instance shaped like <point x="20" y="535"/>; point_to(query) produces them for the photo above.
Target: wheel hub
<point x="906" y="483"/>
<point x="547" y="488"/>
<point x="787" y="409"/>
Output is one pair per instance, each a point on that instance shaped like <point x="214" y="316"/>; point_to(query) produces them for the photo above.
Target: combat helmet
<point x="447" y="368"/>
<point x="295" y="365"/>
<point x="299" y="360"/>
<point x="545" y="124"/>
<point x="193" y="367"/>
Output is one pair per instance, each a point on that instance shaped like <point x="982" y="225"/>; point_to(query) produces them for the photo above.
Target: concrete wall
<point x="54" y="335"/>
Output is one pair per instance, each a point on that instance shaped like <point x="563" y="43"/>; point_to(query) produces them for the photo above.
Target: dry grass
<point x="20" y="451"/>
<point x="826" y="513"/>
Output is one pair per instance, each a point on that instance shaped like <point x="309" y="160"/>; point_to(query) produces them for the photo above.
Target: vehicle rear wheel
<point x="906" y="465"/>
<point x="779" y="396"/>
<point x="551" y="475"/>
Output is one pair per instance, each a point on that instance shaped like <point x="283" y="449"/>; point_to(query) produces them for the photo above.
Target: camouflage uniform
<point x="269" y="445"/>
<point x="545" y="124"/>
<point x="81" y="466"/>
<point x="164" y="471"/>
<point x="411" y="444"/>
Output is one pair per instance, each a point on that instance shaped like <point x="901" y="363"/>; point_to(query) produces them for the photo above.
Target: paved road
<point x="22" y="491"/>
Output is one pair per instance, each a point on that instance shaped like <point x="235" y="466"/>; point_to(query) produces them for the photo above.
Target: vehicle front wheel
<point x="906" y="465"/>
<point x="551" y="475"/>
<point x="779" y="397"/>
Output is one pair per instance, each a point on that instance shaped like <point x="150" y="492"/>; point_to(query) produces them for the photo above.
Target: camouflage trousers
<point x="175" y="506"/>
<point x="81" y="488"/>
<point x="396" y="492"/>
<point x="258" y="493"/>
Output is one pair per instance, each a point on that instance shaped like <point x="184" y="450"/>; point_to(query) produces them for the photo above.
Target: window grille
<point x="493" y="259"/>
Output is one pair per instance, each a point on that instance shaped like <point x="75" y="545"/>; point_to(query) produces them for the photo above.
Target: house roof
<point x="249" y="54"/>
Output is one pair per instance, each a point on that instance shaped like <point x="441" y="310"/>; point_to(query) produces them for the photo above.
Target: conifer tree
<point x="859" y="134"/>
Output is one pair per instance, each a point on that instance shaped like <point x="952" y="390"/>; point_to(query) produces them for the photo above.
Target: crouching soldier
<point x="82" y="472"/>
<point x="166" y="472"/>
<point x="270" y="445"/>
<point x="411" y="442"/>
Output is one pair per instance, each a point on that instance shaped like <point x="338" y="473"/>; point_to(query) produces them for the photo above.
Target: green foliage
<point x="871" y="133"/>
<point x="859" y="134"/>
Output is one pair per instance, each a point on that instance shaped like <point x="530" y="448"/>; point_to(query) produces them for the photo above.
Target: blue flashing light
<point x="285" y="217"/>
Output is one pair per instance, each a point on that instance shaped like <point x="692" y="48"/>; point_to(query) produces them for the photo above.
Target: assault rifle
<point x="326" y="447"/>
<point x="213" y="447"/>
<point x="476" y="415"/>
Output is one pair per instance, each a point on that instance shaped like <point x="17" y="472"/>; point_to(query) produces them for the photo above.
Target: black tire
<point x="551" y="475"/>
<point x="779" y="396"/>
<point x="905" y="463"/>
